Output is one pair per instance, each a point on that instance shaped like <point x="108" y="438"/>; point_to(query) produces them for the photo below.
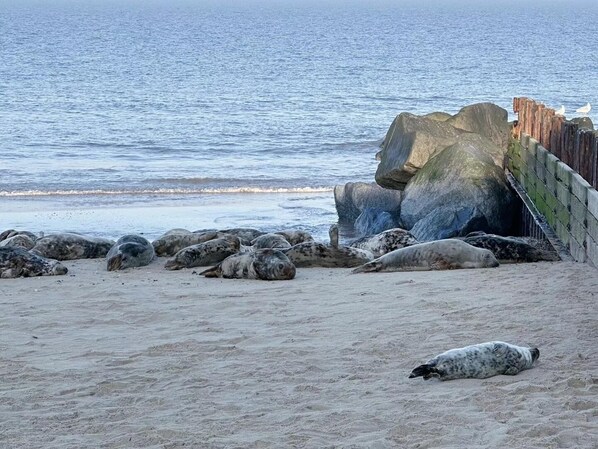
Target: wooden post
<point x="555" y="135"/>
<point x="584" y="158"/>
<point x="595" y="160"/>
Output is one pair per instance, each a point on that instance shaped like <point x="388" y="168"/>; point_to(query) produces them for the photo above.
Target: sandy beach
<point x="147" y="358"/>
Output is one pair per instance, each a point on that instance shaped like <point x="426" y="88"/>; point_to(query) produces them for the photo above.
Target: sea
<point x="142" y="116"/>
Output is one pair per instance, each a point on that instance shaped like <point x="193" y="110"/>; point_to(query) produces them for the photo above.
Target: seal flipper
<point x="214" y="272"/>
<point x="426" y="371"/>
<point x="369" y="267"/>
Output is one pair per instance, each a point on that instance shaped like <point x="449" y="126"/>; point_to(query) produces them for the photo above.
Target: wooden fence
<point x="578" y="148"/>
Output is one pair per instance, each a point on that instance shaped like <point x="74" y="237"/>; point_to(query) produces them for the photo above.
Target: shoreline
<point x="154" y="358"/>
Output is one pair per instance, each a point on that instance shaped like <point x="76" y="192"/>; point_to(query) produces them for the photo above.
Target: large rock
<point x="373" y="221"/>
<point x="353" y="198"/>
<point x="458" y="191"/>
<point x="409" y="143"/>
<point x="486" y="119"/>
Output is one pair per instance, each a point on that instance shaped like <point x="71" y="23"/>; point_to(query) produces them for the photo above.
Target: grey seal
<point x="385" y="242"/>
<point x="478" y="361"/>
<point x="171" y="242"/>
<point x="274" y="241"/>
<point x="204" y="254"/>
<point x="315" y="254"/>
<point x="437" y="255"/>
<point x="20" y="241"/>
<point x="265" y="264"/>
<point x="18" y="262"/>
<point x="129" y="251"/>
<point x="510" y="249"/>
<point x="295" y="236"/>
<point x="246" y="235"/>
<point x="70" y="246"/>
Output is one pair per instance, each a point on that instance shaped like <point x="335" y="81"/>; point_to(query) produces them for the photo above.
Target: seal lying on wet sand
<point x="265" y="264"/>
<point x="204" y="254"/>
<point x="478" y="361"/>
<point x="315" y="254"/>
<point x="69" y="246"/>
<point x="437" y="255"/>
<point x="18" y="262"/>
<point x="129" y="251"/>
<point x="385" y="242"/>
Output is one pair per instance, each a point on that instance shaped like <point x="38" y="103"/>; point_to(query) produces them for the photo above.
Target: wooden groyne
<point x="578" y="148"/>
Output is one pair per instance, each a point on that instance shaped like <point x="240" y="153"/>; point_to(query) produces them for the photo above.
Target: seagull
<point x="560" y="111"/>
<point x="584" y="109"/>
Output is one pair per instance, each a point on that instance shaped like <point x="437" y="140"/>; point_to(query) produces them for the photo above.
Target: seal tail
<point x="424" y="371"/>
<point x="213" y="272"/>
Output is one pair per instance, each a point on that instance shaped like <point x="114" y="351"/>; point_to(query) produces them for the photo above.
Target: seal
<point x="70" y="246"/>
<point x="316" y="254"/>
<point x="129" y="251"/>
<point x="204" y="254"/>
<point x="510" y="249"/>
<point x="246" y="235"/>
<point x="18" y="262"/>
<point x="171" y="242"/>
<point x="478" y="362"/>
<point x="265" y="264"/>
<point x="296" y="236"/>
<point x="20" y="241"/>
<point x="386" y="241"/>
<point x="437" y="255"/>
<point x="274" y="241"/>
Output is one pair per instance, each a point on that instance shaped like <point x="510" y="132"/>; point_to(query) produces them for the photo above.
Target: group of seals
<point x="437" y="255"/>
<point x="478" y="361"/>
<point x="204" y="254"/>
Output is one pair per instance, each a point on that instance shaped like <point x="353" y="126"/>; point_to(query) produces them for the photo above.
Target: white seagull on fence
<point x="584" y="109"/>
<point x="560" y="111"/>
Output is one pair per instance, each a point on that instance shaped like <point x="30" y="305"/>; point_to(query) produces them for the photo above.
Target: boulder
<point x="373" y="221"/>
<point x="584" y="122"/>
<point x="409" y="143"/>
<point x="438" y="116"/>
<point x="458" y="191"/>
<point x="486" y="119"/>
<point x="352" y="198"/>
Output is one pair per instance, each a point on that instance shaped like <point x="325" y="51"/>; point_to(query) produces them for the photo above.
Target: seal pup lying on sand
<point x="315" y="254"/>
<point x="204" y="254"/>
<point x="385" y="242"/>
<point x="478" y="361"/>
<point x="446" y="254"/>
<point x="510" y="249"/>
<point x="18" y="262"/>
<point x="265" y="264"/>
<point x="129" y="251"/>
<point x="70" y="246"/>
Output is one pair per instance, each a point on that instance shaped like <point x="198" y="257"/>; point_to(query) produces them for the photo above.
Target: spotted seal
<point x="204" y="254"/>
<point x="437" y="255"/>
<point x="478" y="361"/>
<point x="171" y="242"/>
<point x="20" y="241"/>
<point x="265" y="264"/>
<point x="510" y="249"/>
<point x="246" y="235"/>
<point x="316" y="254"/>
<point x="17" y="262"/>
<point x="274" y="241"/>
<point x="295" y="236"/>
<point x="129" y="251"/>
<point x="70" y="246"/>
<point x="385" y="242"/>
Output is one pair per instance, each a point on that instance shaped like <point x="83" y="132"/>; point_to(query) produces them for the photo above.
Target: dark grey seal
<point x="446" y="254"/>
<point x="173" y="241"/>
<point x="204" y="254"/>
<point x="385" y="242"/>
<point x="478" y="361"/>
<point x="69" y="246"/>
<point x="315" y="254"/>
<point x="129" y="251"/>
<point x="510" y="249"/>
<point x="265" y="264"/>
<point x="18" y="262"/>
<point x="274" y="241"/>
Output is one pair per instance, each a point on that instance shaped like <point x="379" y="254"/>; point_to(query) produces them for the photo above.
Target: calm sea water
<point x="138" y="116"/>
